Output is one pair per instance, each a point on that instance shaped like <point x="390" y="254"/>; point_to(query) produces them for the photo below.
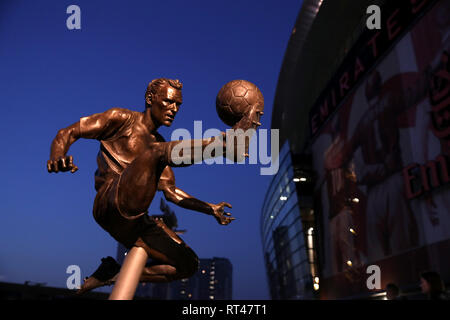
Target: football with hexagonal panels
<point x="235" y="98"/>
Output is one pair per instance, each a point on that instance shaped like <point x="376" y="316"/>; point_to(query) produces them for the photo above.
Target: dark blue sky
<point x="50" y="77"/>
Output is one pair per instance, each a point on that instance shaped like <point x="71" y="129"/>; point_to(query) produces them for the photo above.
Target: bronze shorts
<point x="129" y="231"/>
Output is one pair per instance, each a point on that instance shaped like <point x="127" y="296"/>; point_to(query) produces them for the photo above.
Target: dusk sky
<point x="51" y="76"/>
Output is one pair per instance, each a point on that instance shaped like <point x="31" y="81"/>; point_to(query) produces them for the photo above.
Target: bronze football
<point x="235" y="98"/>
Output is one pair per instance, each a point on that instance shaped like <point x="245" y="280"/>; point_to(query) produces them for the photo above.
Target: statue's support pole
<point x="129" y="275"/>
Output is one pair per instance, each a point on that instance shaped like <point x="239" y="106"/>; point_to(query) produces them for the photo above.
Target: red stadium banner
<point x="382" y="157"/>
<point x="397" y="18"/>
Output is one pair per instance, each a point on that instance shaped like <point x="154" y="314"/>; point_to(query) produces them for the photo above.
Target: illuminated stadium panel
<point x="285" y="252"/>
<point x="371" y="109"/>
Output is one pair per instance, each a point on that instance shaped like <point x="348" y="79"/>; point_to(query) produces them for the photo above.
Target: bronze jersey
<point x="122" y="135"/>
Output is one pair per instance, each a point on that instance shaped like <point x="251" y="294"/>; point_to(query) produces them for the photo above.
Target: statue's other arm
<point x="179" y="197"/>
<point x="97" y="126"/>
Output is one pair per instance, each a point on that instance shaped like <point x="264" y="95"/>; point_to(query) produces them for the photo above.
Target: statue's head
<point x="164" y="98"/>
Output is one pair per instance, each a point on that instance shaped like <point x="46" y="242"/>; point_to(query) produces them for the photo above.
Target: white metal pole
<point x="129" y="275"/>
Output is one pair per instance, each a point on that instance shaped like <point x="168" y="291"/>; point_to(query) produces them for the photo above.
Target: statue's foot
<point x="105" y="275"/>
<point x="92" y="283"/>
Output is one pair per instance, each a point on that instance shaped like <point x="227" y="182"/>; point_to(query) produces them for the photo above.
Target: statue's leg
<point x="177" y="260"/>
<point x="173" y="259"/>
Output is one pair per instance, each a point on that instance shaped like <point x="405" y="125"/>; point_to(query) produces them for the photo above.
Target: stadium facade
<point x="364" y="121"/>
<point x="287" y="231"/>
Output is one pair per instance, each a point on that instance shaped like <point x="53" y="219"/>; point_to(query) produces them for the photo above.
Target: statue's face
<point x="165" y="105"/>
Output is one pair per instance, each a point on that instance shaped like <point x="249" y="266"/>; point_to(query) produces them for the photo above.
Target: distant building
<point x="213" y="281"/>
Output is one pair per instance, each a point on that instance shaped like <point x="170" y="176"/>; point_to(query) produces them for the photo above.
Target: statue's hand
<point x="219" y="213"/>
<point x="249" y="121"/>
<point x="62" y="164"/>
<point x="251" y="118"/>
